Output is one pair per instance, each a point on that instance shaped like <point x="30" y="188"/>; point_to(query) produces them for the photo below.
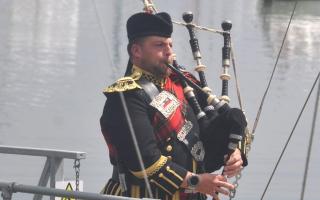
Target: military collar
<point x="138" y="72"/>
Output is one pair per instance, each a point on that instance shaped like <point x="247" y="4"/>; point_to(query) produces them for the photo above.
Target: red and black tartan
<point x="164" y="128"/>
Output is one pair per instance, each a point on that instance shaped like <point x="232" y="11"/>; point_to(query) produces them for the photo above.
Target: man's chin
<point x="166" y="70"/>
<point x="163" y="73"/>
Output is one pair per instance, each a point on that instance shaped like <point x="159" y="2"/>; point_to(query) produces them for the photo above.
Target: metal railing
<point x="9" y="187"/>
<point x="53" y="167"/>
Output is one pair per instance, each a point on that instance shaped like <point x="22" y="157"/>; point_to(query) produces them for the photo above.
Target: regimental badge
<point x="184" y="131"/>
<point x="166" y="103"/>
<point x="197" y="151"/>
<point x="192" y="141"/>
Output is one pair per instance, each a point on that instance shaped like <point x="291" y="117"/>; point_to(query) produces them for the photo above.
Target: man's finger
<point x="232" y="174"/>
<point x="226" y="185"/>
<point x="234" y="157"/>
<point x="223" y="191"/>
<point x="234" y="166"/>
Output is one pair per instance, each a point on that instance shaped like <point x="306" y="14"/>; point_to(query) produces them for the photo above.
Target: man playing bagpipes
<point x="178" y="153"/>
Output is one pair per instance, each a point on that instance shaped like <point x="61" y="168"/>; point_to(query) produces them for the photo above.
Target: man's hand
<point x="211" y="184"/>
<point x="233" y="164"/>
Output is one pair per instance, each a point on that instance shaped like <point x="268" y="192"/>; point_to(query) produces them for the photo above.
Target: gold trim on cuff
<point x="161" y="175"/>
<point x="160" y="186"/>
<point x="174" y="173"/>
<point x="154" y="168"/>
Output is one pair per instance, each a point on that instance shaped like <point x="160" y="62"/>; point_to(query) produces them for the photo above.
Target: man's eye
<point x="159" y="44"/>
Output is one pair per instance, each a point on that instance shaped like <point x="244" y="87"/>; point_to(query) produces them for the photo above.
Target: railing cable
<point x="316" y="108"/>
<point x="288" y="140"/>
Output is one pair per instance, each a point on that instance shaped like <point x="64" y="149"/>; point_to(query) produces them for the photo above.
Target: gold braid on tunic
<point x="129" y="82"/>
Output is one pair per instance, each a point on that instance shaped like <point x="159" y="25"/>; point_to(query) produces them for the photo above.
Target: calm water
<point x="57" y="56"/>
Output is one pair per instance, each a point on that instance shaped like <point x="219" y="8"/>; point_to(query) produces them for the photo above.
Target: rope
<point x="274" y="68"/>
<point x="236" y="76"/>
<point x="294" y="127"/>
<point x="310" y="143"/>
<point x="200" y="27"/>
<point x="126" y="112"/>
<point x="136" y="146"/>
<point x="103" y="34"/>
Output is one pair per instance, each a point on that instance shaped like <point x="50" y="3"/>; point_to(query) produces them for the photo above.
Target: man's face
<point x="152" y="54"/>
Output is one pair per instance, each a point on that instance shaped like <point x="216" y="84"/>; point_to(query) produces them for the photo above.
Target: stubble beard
<point x="159" y="70"/>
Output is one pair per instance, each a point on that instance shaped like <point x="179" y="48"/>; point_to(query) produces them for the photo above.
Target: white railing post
<point x="15" y="188"/>
<point x="53" y="167"/>
<point x="7" y="192"/>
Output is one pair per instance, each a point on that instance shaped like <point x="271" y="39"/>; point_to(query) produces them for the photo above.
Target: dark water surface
<point x="57" y="56"/>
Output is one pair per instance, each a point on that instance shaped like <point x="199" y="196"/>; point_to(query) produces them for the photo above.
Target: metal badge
<point x="166" y="103"/>
<point x="197" y="151"/>
<point x="186" y="128"/>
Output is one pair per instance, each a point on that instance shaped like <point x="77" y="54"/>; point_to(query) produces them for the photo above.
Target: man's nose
<point x="169" y="50"/>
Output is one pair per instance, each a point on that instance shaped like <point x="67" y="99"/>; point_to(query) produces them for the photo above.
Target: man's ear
<point x="136" y="51"/>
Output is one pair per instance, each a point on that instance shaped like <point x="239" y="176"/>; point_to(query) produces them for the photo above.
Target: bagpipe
<point x="223" y="129"/>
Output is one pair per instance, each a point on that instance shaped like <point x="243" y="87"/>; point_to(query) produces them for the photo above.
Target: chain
<point x="249" y="136"/>
<point x="236" y="184"/>
<point x="76" y="167"/>
<point x="247" y="145"/>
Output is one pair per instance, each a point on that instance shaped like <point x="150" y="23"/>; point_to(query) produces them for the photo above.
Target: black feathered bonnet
<point x="145" y="24"/>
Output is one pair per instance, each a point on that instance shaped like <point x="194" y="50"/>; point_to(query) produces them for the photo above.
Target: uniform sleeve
<point x="161" y="172"/>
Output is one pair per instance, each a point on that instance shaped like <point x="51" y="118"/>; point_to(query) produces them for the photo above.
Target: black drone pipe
<point x="191" y="97"/>
<point x="226" y="50"/>
<point x="194" y="43"/>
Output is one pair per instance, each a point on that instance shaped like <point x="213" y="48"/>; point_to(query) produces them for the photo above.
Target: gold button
<point x="169" y="158"/>
<point x="169" y="148"/>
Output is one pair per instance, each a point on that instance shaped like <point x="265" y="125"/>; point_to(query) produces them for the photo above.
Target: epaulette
<point x="123" y="84"/>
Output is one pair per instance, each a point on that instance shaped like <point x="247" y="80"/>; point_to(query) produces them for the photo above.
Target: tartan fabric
<point x="163" y="127"/>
